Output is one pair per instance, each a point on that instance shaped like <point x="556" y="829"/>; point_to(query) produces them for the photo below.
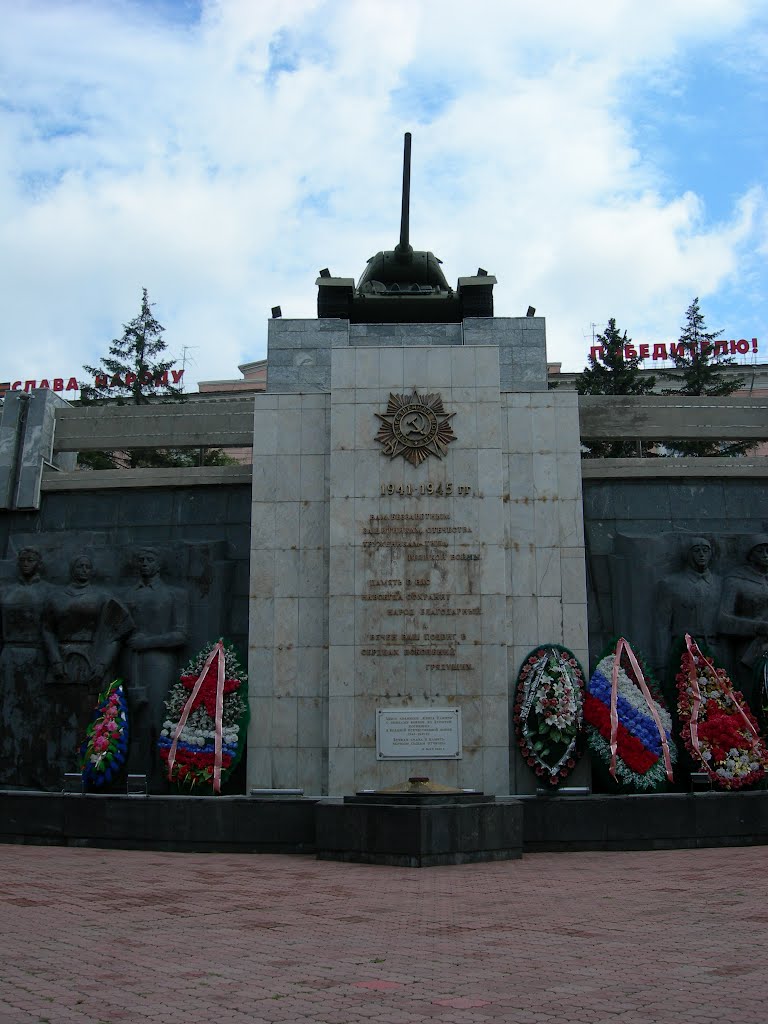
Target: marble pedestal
<point x="380" y="584"/>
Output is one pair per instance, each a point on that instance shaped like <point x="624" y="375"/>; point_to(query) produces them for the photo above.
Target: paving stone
<point x="106" y="935"/>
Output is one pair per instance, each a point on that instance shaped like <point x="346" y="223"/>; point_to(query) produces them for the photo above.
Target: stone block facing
<point x="288" y="661"/>
<point x="298" y="353"/>
<point x="407" y="585"/>
<point x="26" y="445"/>
<point x="11" y="437"/>
<point x="367" y="673"/>
<point x="522" y="346"/>
<point x="404" y="335"/>
<point x="546" y="599"/>
<point x="418" y="833"/>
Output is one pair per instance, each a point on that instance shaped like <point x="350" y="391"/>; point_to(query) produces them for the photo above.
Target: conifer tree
<point x="134" y="373"/>
<point x="700" y="372"/>
<point x="611" y="372"/>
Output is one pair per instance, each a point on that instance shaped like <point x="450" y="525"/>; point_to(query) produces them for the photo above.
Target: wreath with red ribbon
<point x="203" y="736"/>
<point x="718" y="729"/>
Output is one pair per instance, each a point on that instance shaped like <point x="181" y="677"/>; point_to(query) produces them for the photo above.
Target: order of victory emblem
<point x="415" y="426"/>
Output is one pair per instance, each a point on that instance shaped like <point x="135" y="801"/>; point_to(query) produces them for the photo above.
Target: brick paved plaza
<point x="111" y="936"/>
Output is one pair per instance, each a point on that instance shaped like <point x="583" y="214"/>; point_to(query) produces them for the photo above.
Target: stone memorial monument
<point x="688" y="601"/>
<point x="84" y="609"/>
<point x="83" y="626"/>
<point x="416" y="530"/>
<point x="744" y="613"/>
<point x="160" y="616"/>
<point x="27" y="755"/>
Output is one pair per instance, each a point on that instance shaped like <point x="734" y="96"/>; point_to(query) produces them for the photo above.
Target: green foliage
<point x="154" y="458"/>
<point x="700" y="372"/>
<point x="611" y="373"/>
<point x="134" y="373"/>
<point x="132" y="369"/>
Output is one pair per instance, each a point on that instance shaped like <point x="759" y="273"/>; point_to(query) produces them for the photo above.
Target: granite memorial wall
<point x="95" y="585"/>
<point x="414" y="527"/>
<point x="646" y="580"/>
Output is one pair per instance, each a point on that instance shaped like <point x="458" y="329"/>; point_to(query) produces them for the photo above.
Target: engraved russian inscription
<point x="430" y="587"/>
<point x="418" y="734"/>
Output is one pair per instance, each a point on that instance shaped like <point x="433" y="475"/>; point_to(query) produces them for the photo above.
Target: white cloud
<point x="220" y="163"/>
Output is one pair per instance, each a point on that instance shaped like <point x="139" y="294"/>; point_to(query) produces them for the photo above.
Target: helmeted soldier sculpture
<point x="744" y="612"/>
<point x="160" y="615"/>
<point x="688" y="601"/>
<point x="26" y="753"/>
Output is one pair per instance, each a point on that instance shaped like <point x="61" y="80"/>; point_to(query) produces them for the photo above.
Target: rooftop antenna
<point x="184" y="350"/>
<point x="585" y="331"/>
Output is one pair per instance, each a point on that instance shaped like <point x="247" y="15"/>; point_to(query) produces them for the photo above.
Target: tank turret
<point x="404" y="285"/>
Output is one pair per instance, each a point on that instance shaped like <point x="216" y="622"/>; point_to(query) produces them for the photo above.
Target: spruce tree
<point x="134" y="373"/>
<point x="611" y="372"/>
<point x="700" y="372"/>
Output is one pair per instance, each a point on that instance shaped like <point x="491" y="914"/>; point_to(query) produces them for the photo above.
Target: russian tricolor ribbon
<point x="621" y="647"/>
<point x="218" y="651"/>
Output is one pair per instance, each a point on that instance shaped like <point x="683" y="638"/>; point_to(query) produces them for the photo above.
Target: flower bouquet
<point x="549" y="703"/>
<point x="718" y="729"/>
<point x="628" y="726"/>
<point x="203" y="735"/>
<point x="103" y="753"/>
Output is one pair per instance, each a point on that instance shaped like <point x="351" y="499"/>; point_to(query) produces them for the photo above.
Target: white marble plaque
<point x="409" y="734"/>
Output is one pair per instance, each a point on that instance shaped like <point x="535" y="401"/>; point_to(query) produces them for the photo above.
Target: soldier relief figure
<point x="744" y="612"/>
<point x="26" y="753"/>
<point x="61" y="644"/>
<point x="160" y="616"/>
<point x="688" y="601"/>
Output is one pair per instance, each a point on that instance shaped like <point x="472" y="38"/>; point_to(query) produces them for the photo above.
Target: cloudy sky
<point x="601" y="158"/>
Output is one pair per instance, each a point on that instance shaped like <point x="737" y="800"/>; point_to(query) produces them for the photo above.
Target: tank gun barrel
<point x="404" y="248"/>
<point x="403" y="286"/>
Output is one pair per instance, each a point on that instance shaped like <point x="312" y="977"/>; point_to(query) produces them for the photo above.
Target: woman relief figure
<point x="83" y="626"/>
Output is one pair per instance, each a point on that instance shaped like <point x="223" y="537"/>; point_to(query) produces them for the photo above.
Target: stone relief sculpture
<point x="82" y="627"/>
<point x="688" y="601"/>
<point x="25" y="752"/>
<point x="160" y="616"/>
<point x="64" y="634"/>
<point x="744" y="611"/>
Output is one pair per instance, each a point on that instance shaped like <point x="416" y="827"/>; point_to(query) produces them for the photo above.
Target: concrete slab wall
<point x="288" y="650"/>
<point x="638" y="530"/>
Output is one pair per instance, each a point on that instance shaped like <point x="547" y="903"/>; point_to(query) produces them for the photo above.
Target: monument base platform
<point x="653" y="821"/>
<point x="408" y="830"/>
<point x="185" y="824"/>
<point x="394" y="831"/>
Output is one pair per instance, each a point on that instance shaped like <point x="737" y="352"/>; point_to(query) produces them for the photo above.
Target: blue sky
<point x="601" y="159"/>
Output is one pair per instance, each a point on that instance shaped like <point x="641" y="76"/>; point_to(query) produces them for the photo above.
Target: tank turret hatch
<point x="404" y="285"/>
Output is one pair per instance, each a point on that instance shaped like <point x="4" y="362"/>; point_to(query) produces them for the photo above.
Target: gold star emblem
<point x="415" y="426"/>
